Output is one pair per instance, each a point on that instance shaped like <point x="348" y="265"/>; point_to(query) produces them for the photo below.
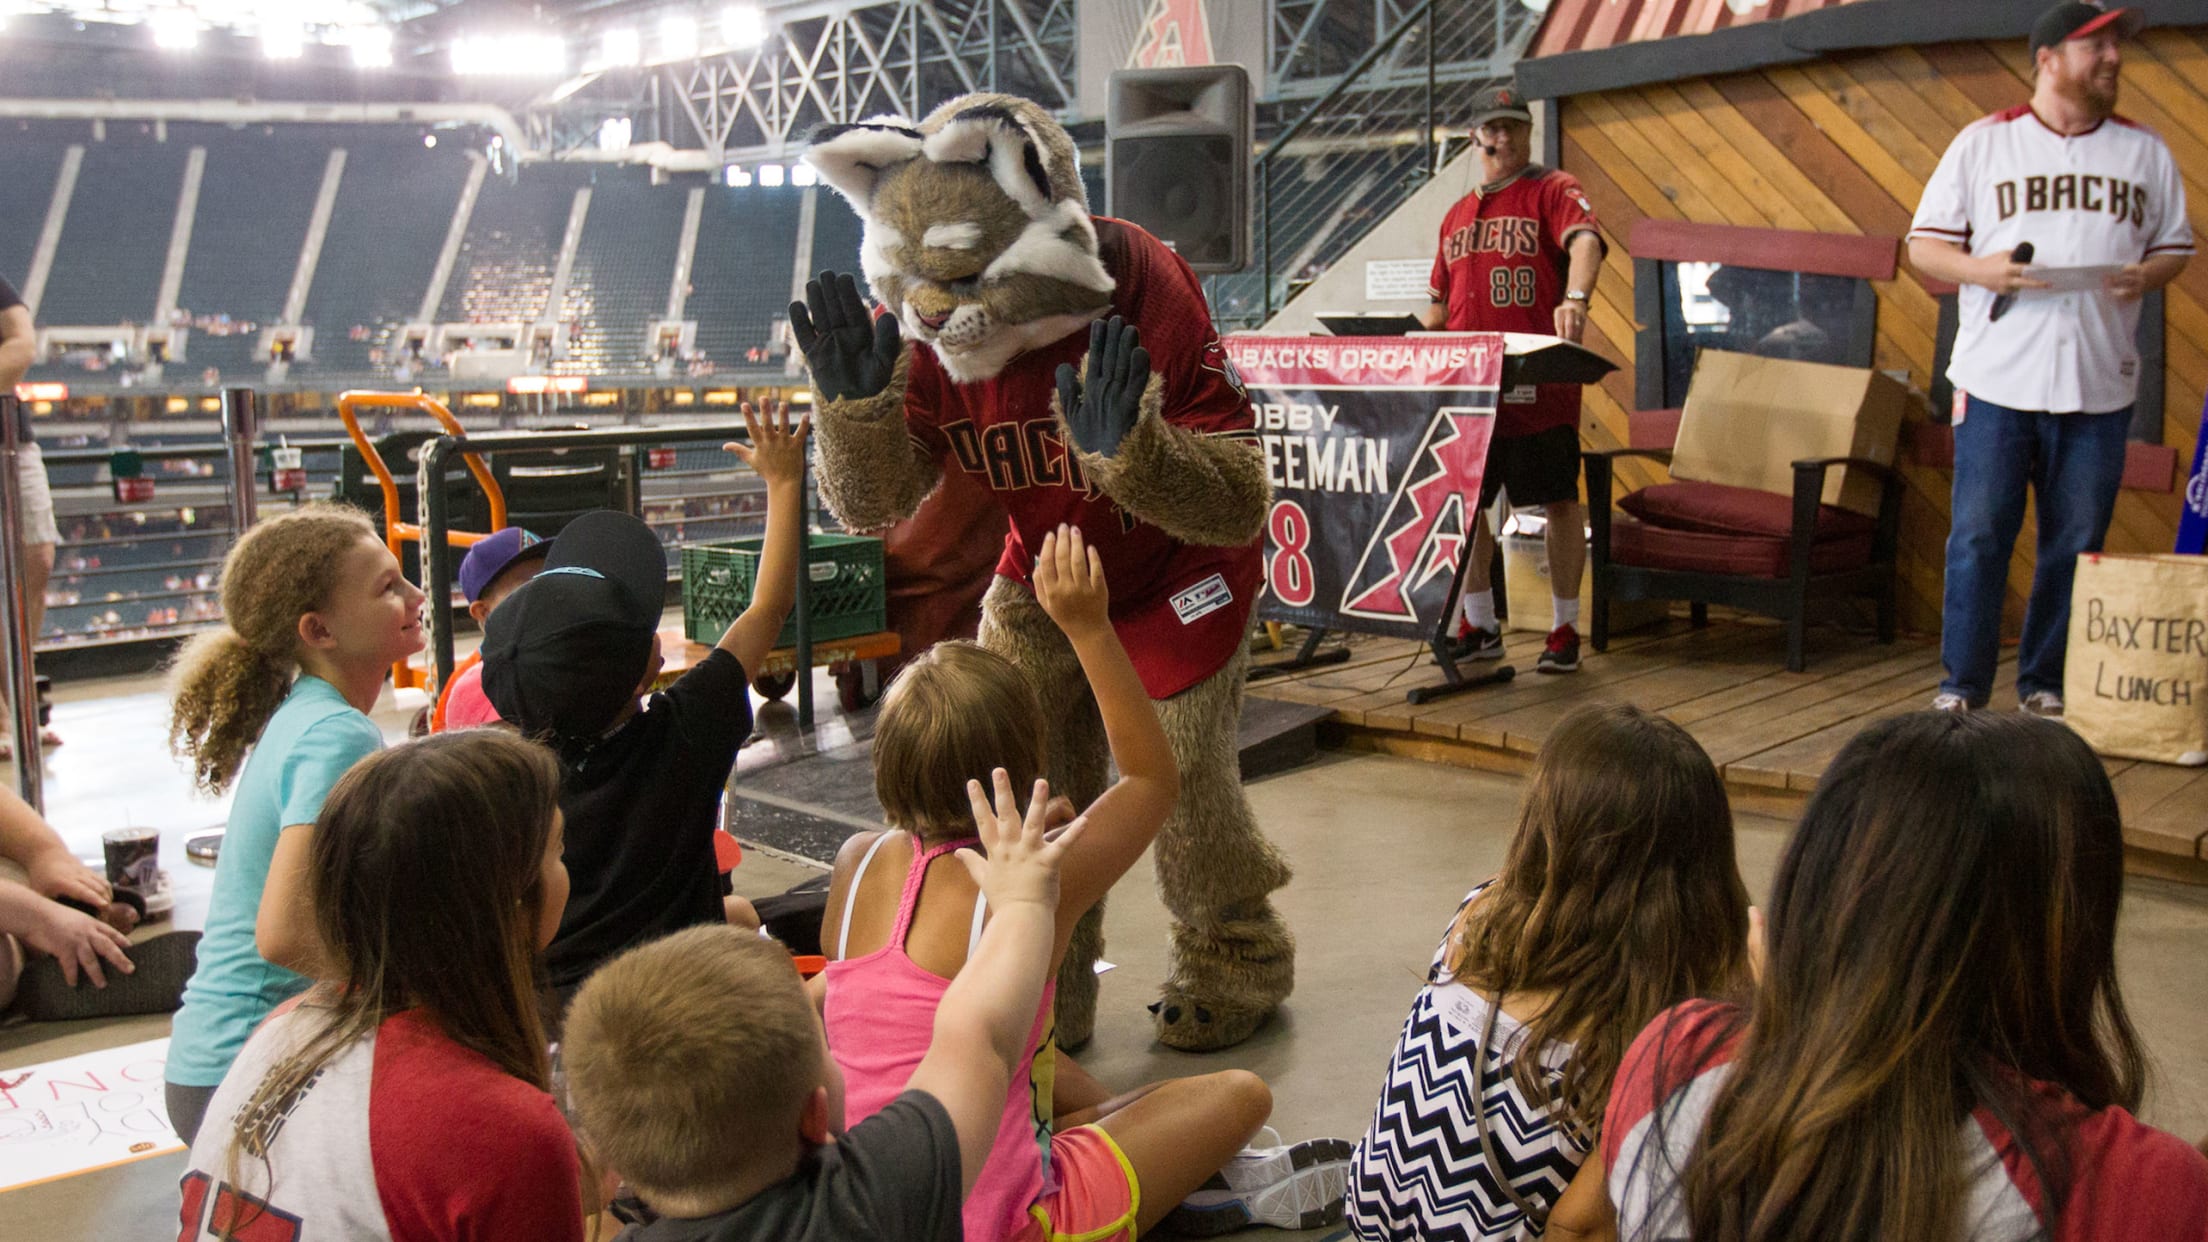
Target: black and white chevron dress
<point x="1418" y="1173"/>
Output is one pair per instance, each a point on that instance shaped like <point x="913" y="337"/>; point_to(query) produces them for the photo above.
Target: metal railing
<point x="691" y="503"/>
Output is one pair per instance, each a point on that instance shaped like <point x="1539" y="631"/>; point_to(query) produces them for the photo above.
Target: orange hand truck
<point x="398" y="531"/>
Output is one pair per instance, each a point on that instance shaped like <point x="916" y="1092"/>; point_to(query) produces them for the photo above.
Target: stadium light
<point x="514" y="55"/>
<point x="678" y="37"/>
<point x="743" y="26"/>
<point x="372" y="47"/>
<point x="614" y="133"/>
<point x="174" y="29"/>
<point x="803" y="174"/>
<point x="282" y="40"/>
<point x="770" y="174"/>
<point x="619" y="46"/>
<point x="736" y="176"/>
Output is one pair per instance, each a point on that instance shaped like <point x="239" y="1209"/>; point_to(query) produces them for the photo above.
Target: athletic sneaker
<point x="1477" y="645"/>
<point x="1298" y="1187"/>
<point x="1562" y="653"/>
<point x="1951" y="702"/>
<point x="2045" y="704"/>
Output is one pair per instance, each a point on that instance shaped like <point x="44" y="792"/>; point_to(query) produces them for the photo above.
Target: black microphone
<point x="2003" y="301"/>
<point x="1492" y="151"/>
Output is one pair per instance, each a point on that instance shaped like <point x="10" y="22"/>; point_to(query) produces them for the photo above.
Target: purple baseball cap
<point x="489" y="558"/>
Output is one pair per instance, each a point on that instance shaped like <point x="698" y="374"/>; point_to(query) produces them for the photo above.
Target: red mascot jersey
<point x="1181" y="610"/>
<point x="1501" y="268"/>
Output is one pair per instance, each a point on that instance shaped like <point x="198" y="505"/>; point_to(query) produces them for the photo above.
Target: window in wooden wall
<point x="1778" y="293"/>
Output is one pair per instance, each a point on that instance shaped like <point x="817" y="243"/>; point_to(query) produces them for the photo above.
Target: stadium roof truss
<point x="838" y="62"/>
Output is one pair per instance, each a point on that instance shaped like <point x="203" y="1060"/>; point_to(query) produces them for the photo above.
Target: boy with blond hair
<point x="698" y="1069"/>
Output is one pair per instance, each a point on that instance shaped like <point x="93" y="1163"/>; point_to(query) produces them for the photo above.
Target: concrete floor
<point x="1383" y="848"/>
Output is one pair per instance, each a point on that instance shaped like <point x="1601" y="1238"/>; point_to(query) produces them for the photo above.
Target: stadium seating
<point x="740" y="276"/>
<point x="504" y="270"/>
<point x="623" y="264"/>
<point x="107" y="269"/>
<point x="33" y="156"/>
<point x="393" y="209"/>
<point x="255" y="199"/>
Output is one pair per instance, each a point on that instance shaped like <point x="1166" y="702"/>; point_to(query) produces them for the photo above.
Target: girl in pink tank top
<point x="1114" y="1167"/>
<point x="881" y="1017"/>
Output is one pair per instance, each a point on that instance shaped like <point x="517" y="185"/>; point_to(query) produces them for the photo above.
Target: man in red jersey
<point x="1520" y="254"/>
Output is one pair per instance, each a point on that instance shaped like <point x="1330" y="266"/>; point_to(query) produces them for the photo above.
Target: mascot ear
<point x="995" y="136"/>
<point x="852" y="158"/>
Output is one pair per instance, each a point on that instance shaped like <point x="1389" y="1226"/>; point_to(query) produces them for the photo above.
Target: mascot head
<point x="977" y="232"/>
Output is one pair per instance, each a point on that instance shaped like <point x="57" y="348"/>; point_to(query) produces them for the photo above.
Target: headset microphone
<point x="1490" y="148"/>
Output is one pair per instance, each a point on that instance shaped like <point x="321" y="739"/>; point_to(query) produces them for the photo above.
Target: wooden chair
<point x="1760" y="551"/>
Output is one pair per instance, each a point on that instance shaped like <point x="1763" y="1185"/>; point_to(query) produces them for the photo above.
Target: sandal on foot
<point x="164" y="963"/>
<point x="1286" y="1187"/>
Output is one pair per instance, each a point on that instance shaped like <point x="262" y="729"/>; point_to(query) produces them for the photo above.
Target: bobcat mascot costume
<point x="979" y="243"/>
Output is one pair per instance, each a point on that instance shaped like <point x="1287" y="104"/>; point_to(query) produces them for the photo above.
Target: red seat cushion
<point x="1647" y="546"/>
<point x="1715" y="509"/>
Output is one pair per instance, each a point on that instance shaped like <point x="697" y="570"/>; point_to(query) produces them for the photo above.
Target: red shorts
<point x="1097" y="1195"/>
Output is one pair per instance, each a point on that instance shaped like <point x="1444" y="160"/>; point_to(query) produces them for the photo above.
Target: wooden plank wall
<point x="1845" y="145"/>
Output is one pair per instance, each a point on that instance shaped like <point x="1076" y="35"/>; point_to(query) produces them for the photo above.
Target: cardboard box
<point x="1526" y="580"/>
<point x="1748" y="420"/>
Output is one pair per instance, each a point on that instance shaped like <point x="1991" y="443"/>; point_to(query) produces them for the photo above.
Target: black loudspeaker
<point x="1177" y="160"/>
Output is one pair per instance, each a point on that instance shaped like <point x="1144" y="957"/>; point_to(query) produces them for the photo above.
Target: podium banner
<point x="1376" y="447"/>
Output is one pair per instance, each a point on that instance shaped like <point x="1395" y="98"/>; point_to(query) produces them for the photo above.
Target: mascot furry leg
<point x="980" y="247"/>
<point x="1233" y="959"/>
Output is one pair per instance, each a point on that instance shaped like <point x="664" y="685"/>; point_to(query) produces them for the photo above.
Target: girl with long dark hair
<point x="407" y="1094"/>
<point x="1938" y="1049"/>
<point x="1619" y="897"/>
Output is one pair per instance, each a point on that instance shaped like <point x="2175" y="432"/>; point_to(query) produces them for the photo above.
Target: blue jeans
<point x="2074" y="464"/>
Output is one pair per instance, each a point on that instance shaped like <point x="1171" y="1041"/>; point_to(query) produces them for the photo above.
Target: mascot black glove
<point x="1102" y="409"/>
<point x="852" y="354"/>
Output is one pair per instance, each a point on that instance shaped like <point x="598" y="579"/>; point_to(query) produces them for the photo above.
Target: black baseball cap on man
<point x="1500" y="103"/>
<point x="565" y="653"/>
<point x="2075" y="21"/>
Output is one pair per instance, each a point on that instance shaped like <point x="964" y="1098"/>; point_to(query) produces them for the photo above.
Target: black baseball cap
<point x="565" y="653"/>
<point x="2074" y="21"/>
<point x="1500" y="103"/>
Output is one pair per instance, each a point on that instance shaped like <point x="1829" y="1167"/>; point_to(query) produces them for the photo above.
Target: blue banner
<point x="2192" y="520"/>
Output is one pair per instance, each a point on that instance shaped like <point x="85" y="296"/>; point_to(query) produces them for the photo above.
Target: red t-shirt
<point x="2128" y="1180"/>
<point x="1501" y="268"/>
<point x="1180" y="609"/>
<point x="404" y="1135"/>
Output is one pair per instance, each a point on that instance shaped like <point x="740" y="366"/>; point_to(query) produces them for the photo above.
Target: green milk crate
<point x="847" y="596"/>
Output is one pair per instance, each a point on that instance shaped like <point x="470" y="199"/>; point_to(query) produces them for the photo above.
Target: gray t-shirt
<point x="894" y="1177"/>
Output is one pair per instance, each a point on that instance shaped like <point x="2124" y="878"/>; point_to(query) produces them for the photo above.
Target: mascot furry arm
<point x="979" y="243"/>
<point x="872" y="473"/>
<point x="1196" y="488"/>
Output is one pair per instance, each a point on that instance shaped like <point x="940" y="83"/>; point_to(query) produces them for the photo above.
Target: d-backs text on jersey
<point x="2124" y="200"/>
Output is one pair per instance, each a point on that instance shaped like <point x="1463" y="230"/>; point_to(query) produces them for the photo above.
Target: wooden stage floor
<point x="1771" y="732"/>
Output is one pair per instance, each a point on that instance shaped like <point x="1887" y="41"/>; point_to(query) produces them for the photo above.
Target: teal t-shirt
<point x="310" y="742"/>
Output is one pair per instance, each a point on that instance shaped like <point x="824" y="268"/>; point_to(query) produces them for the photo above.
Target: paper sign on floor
<point x="83" y="1113"/>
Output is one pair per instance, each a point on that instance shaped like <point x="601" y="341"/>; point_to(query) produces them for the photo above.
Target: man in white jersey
<point x="2045" y="379"/>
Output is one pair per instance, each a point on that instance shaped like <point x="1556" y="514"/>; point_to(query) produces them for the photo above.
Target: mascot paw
<point x="1194" y="1025"/>
<point x="1102" y="409"/>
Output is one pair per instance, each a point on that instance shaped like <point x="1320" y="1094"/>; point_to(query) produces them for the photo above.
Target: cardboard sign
<point x="1748" y="420"/>
<point x="83" y="1113"/>
<point x="1375" y="447"/>
<point x="2135" y="676"/>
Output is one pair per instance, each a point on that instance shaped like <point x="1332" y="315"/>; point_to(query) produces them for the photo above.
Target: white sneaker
<point x="1949" y="701"/>
<point x="1286" y="1187"/>
<point x="2045" y="704"/>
